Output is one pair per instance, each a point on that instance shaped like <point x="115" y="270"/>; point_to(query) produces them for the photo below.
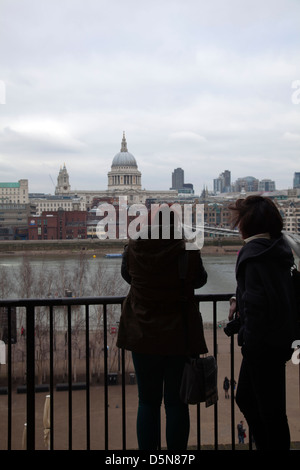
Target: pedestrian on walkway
<point x="241" y="432"/>
<point x="226" y="384"/>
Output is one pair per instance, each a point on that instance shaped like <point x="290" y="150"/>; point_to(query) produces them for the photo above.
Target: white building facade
<point x="14" y="193"/>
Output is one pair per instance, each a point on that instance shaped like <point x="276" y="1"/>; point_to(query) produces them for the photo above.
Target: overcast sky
<point x="201" y="85"/>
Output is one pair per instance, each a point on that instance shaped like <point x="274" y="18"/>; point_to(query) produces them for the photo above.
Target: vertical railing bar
<point x="232" y="391"/>
<point x="105" y="377"/>
<point x="30" y="371"/>
<point x="198" y="427"/>
<point x="87" y="379"/>
<point x="199" y="417"/>
<point x="215" y="350"/>
<point x="70" y="374"/>
<point x="51" y="365"/>
<point x="123" y="400"/>
<point x="9" y="379"/>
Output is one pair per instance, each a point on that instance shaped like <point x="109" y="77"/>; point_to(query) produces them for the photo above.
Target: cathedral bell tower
<point x="63" y="185"/>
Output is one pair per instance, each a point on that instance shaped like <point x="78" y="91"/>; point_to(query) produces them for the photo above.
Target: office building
<point x="177" y="178"/>
<point x="296" y="181"/>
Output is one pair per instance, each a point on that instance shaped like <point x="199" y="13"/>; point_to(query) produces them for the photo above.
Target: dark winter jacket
<point x="152" y="319"/>
<point x="265" y="298"/>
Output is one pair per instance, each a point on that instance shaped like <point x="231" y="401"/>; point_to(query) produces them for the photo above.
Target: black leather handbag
<point x="199" y="381"/>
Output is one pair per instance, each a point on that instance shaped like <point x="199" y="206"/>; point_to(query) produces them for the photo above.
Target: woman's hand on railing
<point x="232" y="308"/>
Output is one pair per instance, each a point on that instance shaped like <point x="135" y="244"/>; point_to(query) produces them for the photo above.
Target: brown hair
<point x="256" y="214"/>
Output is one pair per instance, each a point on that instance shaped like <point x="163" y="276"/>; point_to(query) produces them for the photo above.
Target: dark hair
<point x="256" y="214"/>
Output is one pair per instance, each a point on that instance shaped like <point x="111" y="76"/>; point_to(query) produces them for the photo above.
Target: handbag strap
<point x="182" y="268"/>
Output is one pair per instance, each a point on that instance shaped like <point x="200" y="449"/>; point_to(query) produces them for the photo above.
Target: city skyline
<point x="294" y="177"/>
<point x="205" y="87"/>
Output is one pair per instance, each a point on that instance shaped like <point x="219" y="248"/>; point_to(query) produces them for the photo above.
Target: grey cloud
<point x="185" y="80"/>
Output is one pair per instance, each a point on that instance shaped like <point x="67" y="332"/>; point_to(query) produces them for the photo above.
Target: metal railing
<point x="30" y="305"/>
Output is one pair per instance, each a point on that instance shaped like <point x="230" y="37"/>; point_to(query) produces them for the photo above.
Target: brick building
<point x="217" y="215"/>
<point x="60" y="225"/>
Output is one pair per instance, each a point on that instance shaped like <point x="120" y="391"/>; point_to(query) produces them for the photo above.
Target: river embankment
<point x="100" y="247"/>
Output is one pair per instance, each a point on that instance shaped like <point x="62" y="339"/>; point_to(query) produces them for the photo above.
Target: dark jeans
<point x="261" y="398"/>
<point x="160" y="377"/>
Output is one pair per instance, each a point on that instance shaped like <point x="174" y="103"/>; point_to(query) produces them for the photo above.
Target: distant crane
<point x="52" y="180"/>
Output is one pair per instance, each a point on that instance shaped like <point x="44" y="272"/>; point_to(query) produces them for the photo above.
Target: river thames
<point x="220" y="270"/>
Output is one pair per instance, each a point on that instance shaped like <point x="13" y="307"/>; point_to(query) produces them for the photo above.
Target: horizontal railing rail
<point x="30" y="305"/>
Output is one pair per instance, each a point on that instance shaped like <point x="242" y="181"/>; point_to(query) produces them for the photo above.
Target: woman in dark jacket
<point x="154" y="327"/>
<point x="264" y="302"/>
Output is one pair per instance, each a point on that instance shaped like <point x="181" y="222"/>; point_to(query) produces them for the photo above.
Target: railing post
<point x="69" y="316"/>
<point x="123" y="401"/>
<point x="87" y="376"/>
<point x="232" y="398"/>
<point x="105" y="377"/>
<point x="30" y="378"/>
<point x="215" y="349"/>
<point x="51" y="374"/>
<point x="9" y="378"/>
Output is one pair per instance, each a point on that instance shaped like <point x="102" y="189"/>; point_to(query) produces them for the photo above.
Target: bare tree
<point x="6" y="283"/>
<point x="87" y="278"/>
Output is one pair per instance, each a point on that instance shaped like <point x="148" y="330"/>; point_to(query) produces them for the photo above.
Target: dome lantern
<point x="124" y="158"/>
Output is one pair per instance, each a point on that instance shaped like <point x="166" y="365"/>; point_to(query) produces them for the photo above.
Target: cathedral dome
<point x="124" y="158"/>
